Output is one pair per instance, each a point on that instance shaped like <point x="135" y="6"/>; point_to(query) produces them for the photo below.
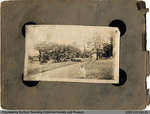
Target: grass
<point x="99" y="69"/>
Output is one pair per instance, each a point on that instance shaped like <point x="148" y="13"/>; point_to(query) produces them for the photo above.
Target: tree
<point x="43" y="50"/>
<point x="108" y="50"/>
<point x="98" y="44"/>
<point x="57" y="52"/>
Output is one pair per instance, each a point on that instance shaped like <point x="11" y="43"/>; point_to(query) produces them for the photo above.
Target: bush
<point x="59" y="53"/>
<point x="108" y="50"/>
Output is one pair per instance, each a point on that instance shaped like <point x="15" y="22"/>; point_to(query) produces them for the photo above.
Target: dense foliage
<point x="63" y="53"/>
<point x="59" y="53"/>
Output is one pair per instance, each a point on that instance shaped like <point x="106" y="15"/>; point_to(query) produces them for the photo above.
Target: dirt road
<point x="92" y="69"/>
<point x="71" y="71"/>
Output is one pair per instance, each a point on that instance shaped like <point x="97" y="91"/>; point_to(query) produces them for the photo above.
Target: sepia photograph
<point x="72" y="53"/>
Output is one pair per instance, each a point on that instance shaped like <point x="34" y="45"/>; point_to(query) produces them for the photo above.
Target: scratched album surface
<point x="74" y="54"/>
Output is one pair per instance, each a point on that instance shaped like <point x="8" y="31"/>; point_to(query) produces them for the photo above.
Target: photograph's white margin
<point x="116" y="51"/>
<point x="27" y="29"/>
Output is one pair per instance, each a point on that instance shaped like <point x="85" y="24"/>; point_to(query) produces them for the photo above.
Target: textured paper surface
<point x="72" y="53"/>
<point x="133" y="58"/>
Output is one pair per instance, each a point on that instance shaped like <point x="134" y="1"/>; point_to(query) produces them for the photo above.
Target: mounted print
<point x="72" y="53"/>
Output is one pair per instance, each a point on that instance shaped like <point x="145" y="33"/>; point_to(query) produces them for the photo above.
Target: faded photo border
<point x="116" y="46"/>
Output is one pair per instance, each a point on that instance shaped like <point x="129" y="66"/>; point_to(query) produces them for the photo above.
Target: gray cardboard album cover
<point x="73" y="54"/>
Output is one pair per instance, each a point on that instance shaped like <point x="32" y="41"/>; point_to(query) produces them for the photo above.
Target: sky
<point x="64" y="34"/>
